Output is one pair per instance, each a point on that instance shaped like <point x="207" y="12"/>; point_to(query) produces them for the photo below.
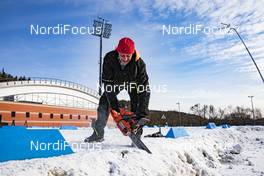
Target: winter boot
<point x="97" y="136"/>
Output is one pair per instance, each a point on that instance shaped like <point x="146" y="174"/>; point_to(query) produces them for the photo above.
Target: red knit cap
<point x="126" y="46"/>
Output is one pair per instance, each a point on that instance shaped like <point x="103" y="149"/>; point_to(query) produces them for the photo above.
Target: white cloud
<point x="220" y="49"/>
<point x="247" y="15"/>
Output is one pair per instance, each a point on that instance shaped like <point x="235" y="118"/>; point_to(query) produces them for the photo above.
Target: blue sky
<point x="203" y="68"/>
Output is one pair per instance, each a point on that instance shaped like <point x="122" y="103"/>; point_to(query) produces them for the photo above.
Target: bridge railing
<point x="50" y="81"/>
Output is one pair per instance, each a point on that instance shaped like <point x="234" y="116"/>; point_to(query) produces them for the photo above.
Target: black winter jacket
<point x="135" y="78"/>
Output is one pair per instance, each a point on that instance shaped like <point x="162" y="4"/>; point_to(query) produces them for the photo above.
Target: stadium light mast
<point x="102" y="29"/>
<point x="252" y="106"/>
<point x="232" y="28"/>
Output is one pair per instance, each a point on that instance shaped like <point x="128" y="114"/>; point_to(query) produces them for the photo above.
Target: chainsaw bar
<point x="138" y="143"/>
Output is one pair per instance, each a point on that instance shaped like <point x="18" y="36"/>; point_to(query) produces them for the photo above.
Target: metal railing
<point x="51" y="81"/>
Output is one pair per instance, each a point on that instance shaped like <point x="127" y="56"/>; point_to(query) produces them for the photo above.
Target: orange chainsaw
<point x="125" y="121"/>
<point x="128" y="124"/>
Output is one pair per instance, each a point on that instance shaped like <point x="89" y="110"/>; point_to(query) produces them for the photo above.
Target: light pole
<point x="179" y="111"/>
<point x="102" y="29"/>
<point x="231" y="28"/>
<point x="163" y="117"/>
<point x="252" y="106"/>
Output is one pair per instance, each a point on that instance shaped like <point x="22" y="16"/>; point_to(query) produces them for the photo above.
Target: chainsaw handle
<point x="122" y="112"/>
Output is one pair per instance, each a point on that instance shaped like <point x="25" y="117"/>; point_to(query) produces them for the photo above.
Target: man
<point x="122" y="68"/>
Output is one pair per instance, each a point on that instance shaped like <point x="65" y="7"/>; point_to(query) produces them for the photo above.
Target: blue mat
<point x="14" y="127"/>
<point x="211" y="126"/>
<point x="68" y="128"/>
<point x="19" y="143"/>
<point x="176" y="132"/>
<point x="225" y="126"/>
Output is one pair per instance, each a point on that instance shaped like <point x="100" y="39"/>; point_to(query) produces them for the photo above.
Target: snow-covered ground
<point x="233" y="151"/>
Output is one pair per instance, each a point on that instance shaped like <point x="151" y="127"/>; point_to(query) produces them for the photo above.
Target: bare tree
<point x="196" y="109"/>
<point x="221" y="113"/>
<point x="258" y="113"/>
<point x="212" y="112"/>
<point x="204" y="110"/>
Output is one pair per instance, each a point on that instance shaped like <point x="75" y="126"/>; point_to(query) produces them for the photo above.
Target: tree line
<point x="8" y="77"/>
<point x="201" y="115"/>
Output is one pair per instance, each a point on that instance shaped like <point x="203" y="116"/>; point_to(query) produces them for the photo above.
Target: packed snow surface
<point x="238" y="150"/>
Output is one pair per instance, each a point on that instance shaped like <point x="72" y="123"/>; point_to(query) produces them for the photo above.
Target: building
<point x="48" y="103"/>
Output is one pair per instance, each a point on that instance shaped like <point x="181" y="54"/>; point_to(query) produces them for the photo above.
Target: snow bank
<point x="204" y="152"/>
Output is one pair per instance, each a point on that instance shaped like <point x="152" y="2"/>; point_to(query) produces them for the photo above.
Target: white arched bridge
<point x="49" y="91"/>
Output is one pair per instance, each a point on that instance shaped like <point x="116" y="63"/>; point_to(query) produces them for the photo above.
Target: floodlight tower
<point x="234" y="29"/>
<point x="102" y="29"/>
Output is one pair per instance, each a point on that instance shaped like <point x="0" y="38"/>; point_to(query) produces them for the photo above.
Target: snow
<point x="238" y="150"/>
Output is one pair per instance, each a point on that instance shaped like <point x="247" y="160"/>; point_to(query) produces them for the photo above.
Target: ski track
<point x="204" y="152"/>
